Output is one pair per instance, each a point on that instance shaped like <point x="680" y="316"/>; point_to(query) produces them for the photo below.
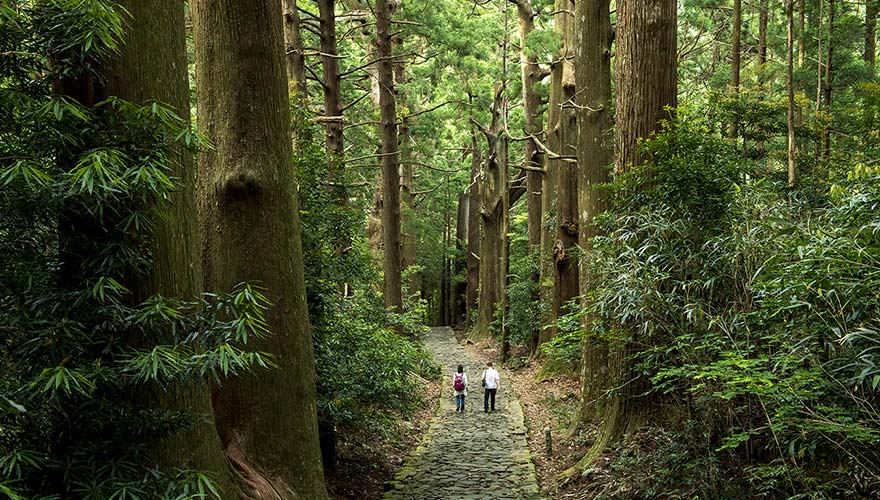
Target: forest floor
<point x="367" y="462"/>
<point x="549" y="401"/>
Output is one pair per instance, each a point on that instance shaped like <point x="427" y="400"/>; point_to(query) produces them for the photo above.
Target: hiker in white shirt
<point x="491" y="381"/>
<point x="460" y="388"/>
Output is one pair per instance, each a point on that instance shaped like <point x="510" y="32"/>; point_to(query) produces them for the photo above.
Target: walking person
<point x="491" y="381"/>
<point x="459" y="386"/>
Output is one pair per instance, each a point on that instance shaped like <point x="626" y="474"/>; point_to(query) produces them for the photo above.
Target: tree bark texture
<point x="267" y="421"/>
<point x="645" y="73"/>
<point x="293" y="49"/>
<point x="735" y="59"/>
<point x="459" y="269"/>
<point x="736" y="44"/>
<point x="493" y="214"/>
<point x="763" y="19"/>
<point x="595" y="157"/>
<point x="828" y="81"/>
<point x="870" y="53"/>
<point x="331" y="85"/>
<point x="409" y="235"/>
<point x="151" y="66"/>
<point x="646" y="84"/>
<point x="531" y="75"/>
<point x="789" y="85"/>
<point x="390" y="158"/>
<point x="565" y="247"/>
<point x="473" y="233"/>
<point x="563" y="20"/>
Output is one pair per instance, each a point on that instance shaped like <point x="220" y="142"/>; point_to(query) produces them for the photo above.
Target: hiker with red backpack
<point x="459" y="386"/>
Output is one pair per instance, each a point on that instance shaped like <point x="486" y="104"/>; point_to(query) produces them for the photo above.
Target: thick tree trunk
<point x="293" y="48"/>
<point x="870" y="53"/>
<point x="646" y="83"/>
<point x="789" y="86"/>
<point x="332" y="119"/>
<point x="247" y="199"/>
<point x="493" y="214"/>
<point x="827" y="84"/>
<point x="531" y="75"/>
<point x="459" y="268"/>
<point x="390" y="160"/>
<point x="151" y="66"/>
<point x="473" y="233"/>
<point x="595" y="156"/>
<point x="645" y="73"/>
<point x="735" y="53"/>
<point x="562" y="22"/>
<point x="763" y="18"/>
<point x="565" y="251"/>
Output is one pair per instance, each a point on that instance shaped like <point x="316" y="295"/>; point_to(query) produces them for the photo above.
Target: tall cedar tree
<point x="247" y="204"/>
<point x="473" y="233"/>
<point x="646" y="84"/>
<point x="595" y="155"/>
<point x="565" y="260"/>
<point x="151" y="66"/>
<point x="493" y="215"/>
<point x="390" y="157"/>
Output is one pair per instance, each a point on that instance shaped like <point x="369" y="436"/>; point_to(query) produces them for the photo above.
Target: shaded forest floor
<point x="365" y="462"/>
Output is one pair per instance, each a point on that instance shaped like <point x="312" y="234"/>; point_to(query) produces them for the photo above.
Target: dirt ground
<point x="366" y="463"/>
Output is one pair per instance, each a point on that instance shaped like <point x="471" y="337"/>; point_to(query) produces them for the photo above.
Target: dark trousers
<point x="489" y="394"/>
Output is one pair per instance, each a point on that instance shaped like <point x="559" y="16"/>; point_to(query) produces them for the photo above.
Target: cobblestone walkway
<point x="470" y="455"/>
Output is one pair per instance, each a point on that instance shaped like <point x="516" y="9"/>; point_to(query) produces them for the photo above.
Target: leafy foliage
<point x="365" y="369"/>
<point x="82" y="352"/>
<point x="755" y="316"/>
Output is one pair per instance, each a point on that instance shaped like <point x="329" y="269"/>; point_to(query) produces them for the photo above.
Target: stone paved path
<point x="473" y="455"/>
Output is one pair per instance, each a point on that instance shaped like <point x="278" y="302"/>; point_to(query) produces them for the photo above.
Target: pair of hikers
<point x="490" y="381"/>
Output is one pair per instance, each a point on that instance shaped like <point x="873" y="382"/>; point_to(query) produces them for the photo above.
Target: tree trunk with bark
<point x="827" y="83"/>
<point x="789" y="86"/>
<point x="473" y="233"/>
<point x="645" y="73"/>
<point x="531" y="75"/>
<point x="646" y="84"/>
<point x="565" y="247"/>
<point x="763" y="19"/>
<point x="390" y="159"/>
<point x="595" y="157"/>
<point x="735" y="53"/>
<point x="151" y="66"/>
<point x="293" y="49"/>
<point x="459" y="269"/>
<point x="332" y="119"/>
<point x="493" y="214"/>
<point x="267" y="421"/>
<point x="548" y="191"/>
<point x="870" y="53"/>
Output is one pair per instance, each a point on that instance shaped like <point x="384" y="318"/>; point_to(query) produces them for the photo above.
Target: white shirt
<point x="490" y="375"/>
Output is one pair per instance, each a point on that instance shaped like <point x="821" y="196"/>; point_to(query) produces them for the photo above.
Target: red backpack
<point x="458" y="383"/>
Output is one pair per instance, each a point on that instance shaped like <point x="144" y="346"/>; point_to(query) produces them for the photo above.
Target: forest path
<point x="470" y="455"/>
